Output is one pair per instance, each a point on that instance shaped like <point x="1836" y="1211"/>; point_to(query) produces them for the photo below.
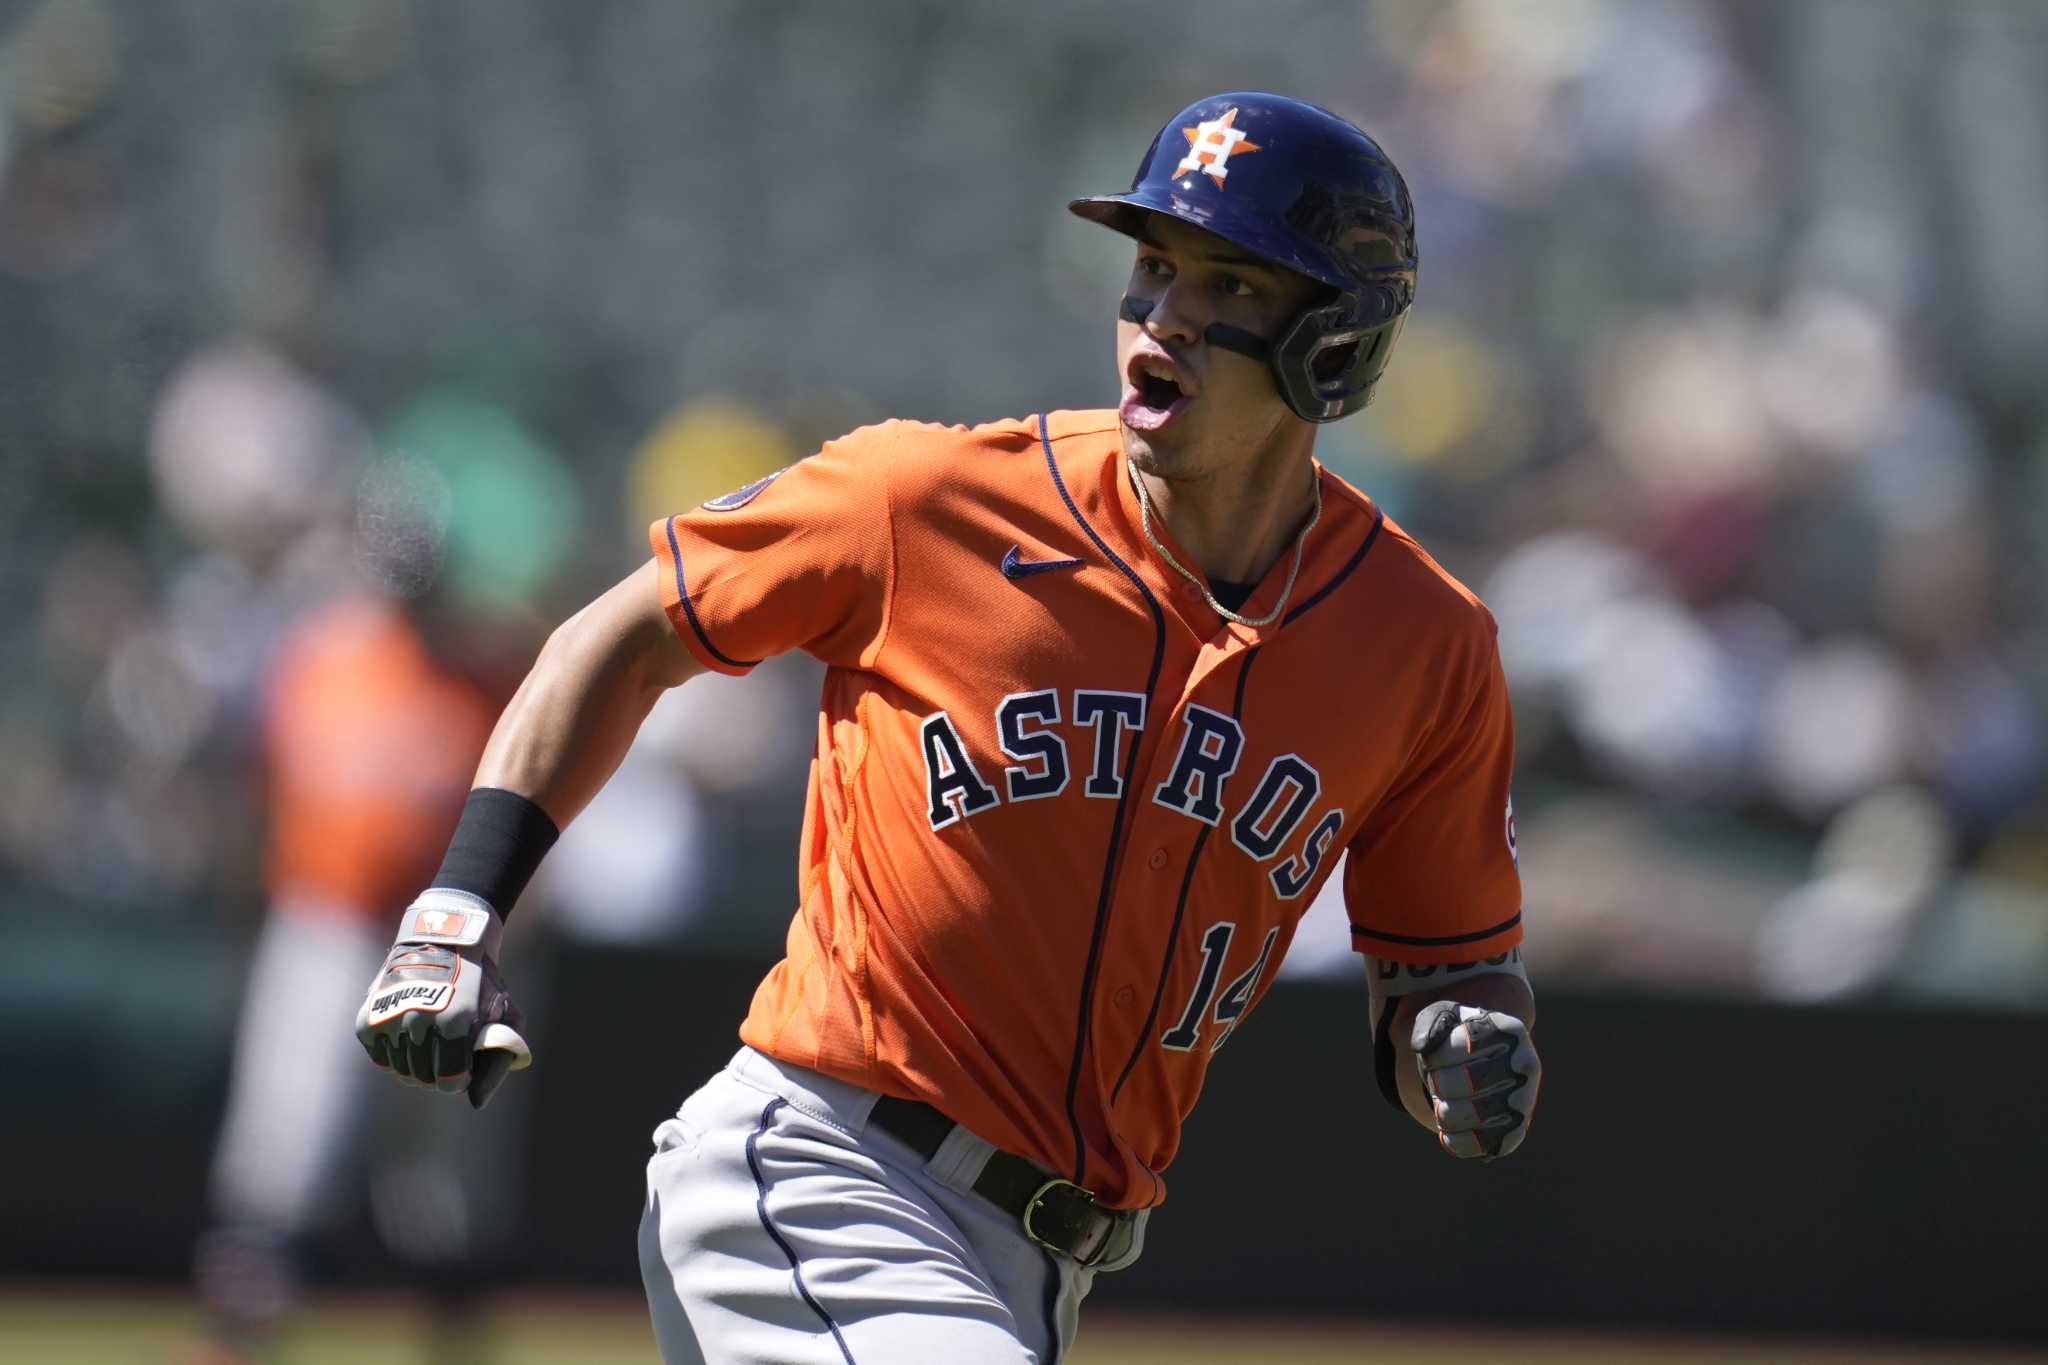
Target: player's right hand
<point x="437" y="1015"/>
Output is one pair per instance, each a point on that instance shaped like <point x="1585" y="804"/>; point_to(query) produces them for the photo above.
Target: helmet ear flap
<point x="1327" y="362"/>
<point x="1332" y="365"/>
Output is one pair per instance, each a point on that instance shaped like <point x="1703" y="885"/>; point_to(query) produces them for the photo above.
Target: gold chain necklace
<point x="1201" y="585"/>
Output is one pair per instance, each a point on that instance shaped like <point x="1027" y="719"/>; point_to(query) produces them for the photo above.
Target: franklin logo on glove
<point x="432" y="999"/>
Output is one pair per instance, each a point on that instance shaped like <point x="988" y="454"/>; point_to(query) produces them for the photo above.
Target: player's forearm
<point x="569" y="725"/>
<point x="1492" y="991"/>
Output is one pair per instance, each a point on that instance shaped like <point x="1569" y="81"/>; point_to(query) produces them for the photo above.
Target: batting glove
<point x="437" y="1015"/>
<point x="1482" y="1074"/>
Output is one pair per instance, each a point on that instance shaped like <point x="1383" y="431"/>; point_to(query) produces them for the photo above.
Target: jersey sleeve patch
<point x="740" y="497"/>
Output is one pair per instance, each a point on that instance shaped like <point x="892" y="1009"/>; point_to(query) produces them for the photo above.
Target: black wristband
<point x="498" y="843"/>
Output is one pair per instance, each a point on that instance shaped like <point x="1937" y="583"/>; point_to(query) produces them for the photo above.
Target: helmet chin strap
<point x="1222" y="334"/>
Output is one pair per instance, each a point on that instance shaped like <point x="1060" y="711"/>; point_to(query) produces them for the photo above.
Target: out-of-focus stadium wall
<point x="1712" y="1166"/>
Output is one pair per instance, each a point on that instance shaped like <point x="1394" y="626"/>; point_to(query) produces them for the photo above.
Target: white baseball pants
<point x="778" y="1231"/>
<point x="295" y="1093"/>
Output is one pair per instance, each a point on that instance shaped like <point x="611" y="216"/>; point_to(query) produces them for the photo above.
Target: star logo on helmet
<point x="1211" y="144"/>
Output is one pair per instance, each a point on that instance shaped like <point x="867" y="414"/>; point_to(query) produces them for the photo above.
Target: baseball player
<point x="374" y="715"/>
<point x="1108" y="692"/>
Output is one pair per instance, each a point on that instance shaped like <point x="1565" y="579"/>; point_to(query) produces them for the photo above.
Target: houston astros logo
<point x="1211" y="144"/>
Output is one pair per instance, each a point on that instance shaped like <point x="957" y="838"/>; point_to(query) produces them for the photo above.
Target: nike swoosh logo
<point x="1015" y="568"/>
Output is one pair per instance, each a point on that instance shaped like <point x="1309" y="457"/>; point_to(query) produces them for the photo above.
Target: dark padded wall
<point x="1868" y="1169"/>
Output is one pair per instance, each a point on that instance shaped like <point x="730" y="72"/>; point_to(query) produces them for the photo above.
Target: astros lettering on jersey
<point x="1048" y="771"/>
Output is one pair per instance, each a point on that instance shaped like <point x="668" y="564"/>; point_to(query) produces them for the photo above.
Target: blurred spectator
<point x="1846" y="929"/>
<point x="375" y="713"/>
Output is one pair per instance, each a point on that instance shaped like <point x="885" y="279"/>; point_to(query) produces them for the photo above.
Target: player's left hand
<point x="1481" y="1072"/>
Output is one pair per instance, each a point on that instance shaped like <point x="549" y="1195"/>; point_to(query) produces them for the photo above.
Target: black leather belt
<point x="1057" y="1214"/>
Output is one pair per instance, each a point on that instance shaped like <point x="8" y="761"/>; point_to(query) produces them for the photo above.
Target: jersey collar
<point x="1319" y="557"/>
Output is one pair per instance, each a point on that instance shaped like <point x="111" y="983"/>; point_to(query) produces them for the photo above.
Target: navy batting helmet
<point x="1300" y="187"/>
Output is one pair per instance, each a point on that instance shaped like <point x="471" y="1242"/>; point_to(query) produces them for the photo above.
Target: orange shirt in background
<point x="370" y="746"/>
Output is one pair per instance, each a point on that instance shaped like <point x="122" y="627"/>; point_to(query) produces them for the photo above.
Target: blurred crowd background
<point x="1723" y="389"/>
<point x="347" y="345"/>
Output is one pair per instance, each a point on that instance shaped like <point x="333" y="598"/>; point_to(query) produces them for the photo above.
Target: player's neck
<point x="1237" y="523"/>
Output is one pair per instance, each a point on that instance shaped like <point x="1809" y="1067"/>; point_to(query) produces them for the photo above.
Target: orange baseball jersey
<point x="371" y="746"/>
<point x="1063" y="818"/>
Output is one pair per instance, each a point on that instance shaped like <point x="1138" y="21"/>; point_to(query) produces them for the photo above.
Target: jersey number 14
<point x="1236" y="998"/>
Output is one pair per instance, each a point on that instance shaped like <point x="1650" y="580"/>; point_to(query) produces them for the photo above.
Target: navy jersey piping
<point x="1422" y="941"/>
<point x="675" y="554"/>
<point x="1378" y="519"/>
<point x="1116" y="828"/>
<point x="1180" y="905"/>
<point x="796" y="1269"/>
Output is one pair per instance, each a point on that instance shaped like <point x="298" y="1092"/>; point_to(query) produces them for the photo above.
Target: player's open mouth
<point x="1153" y="395"/>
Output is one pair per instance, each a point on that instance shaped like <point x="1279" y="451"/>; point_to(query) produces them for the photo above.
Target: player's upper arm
<point x="803" y="559"/>
<point x="1432" y="875"/>
<point x="628" y="622"/>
